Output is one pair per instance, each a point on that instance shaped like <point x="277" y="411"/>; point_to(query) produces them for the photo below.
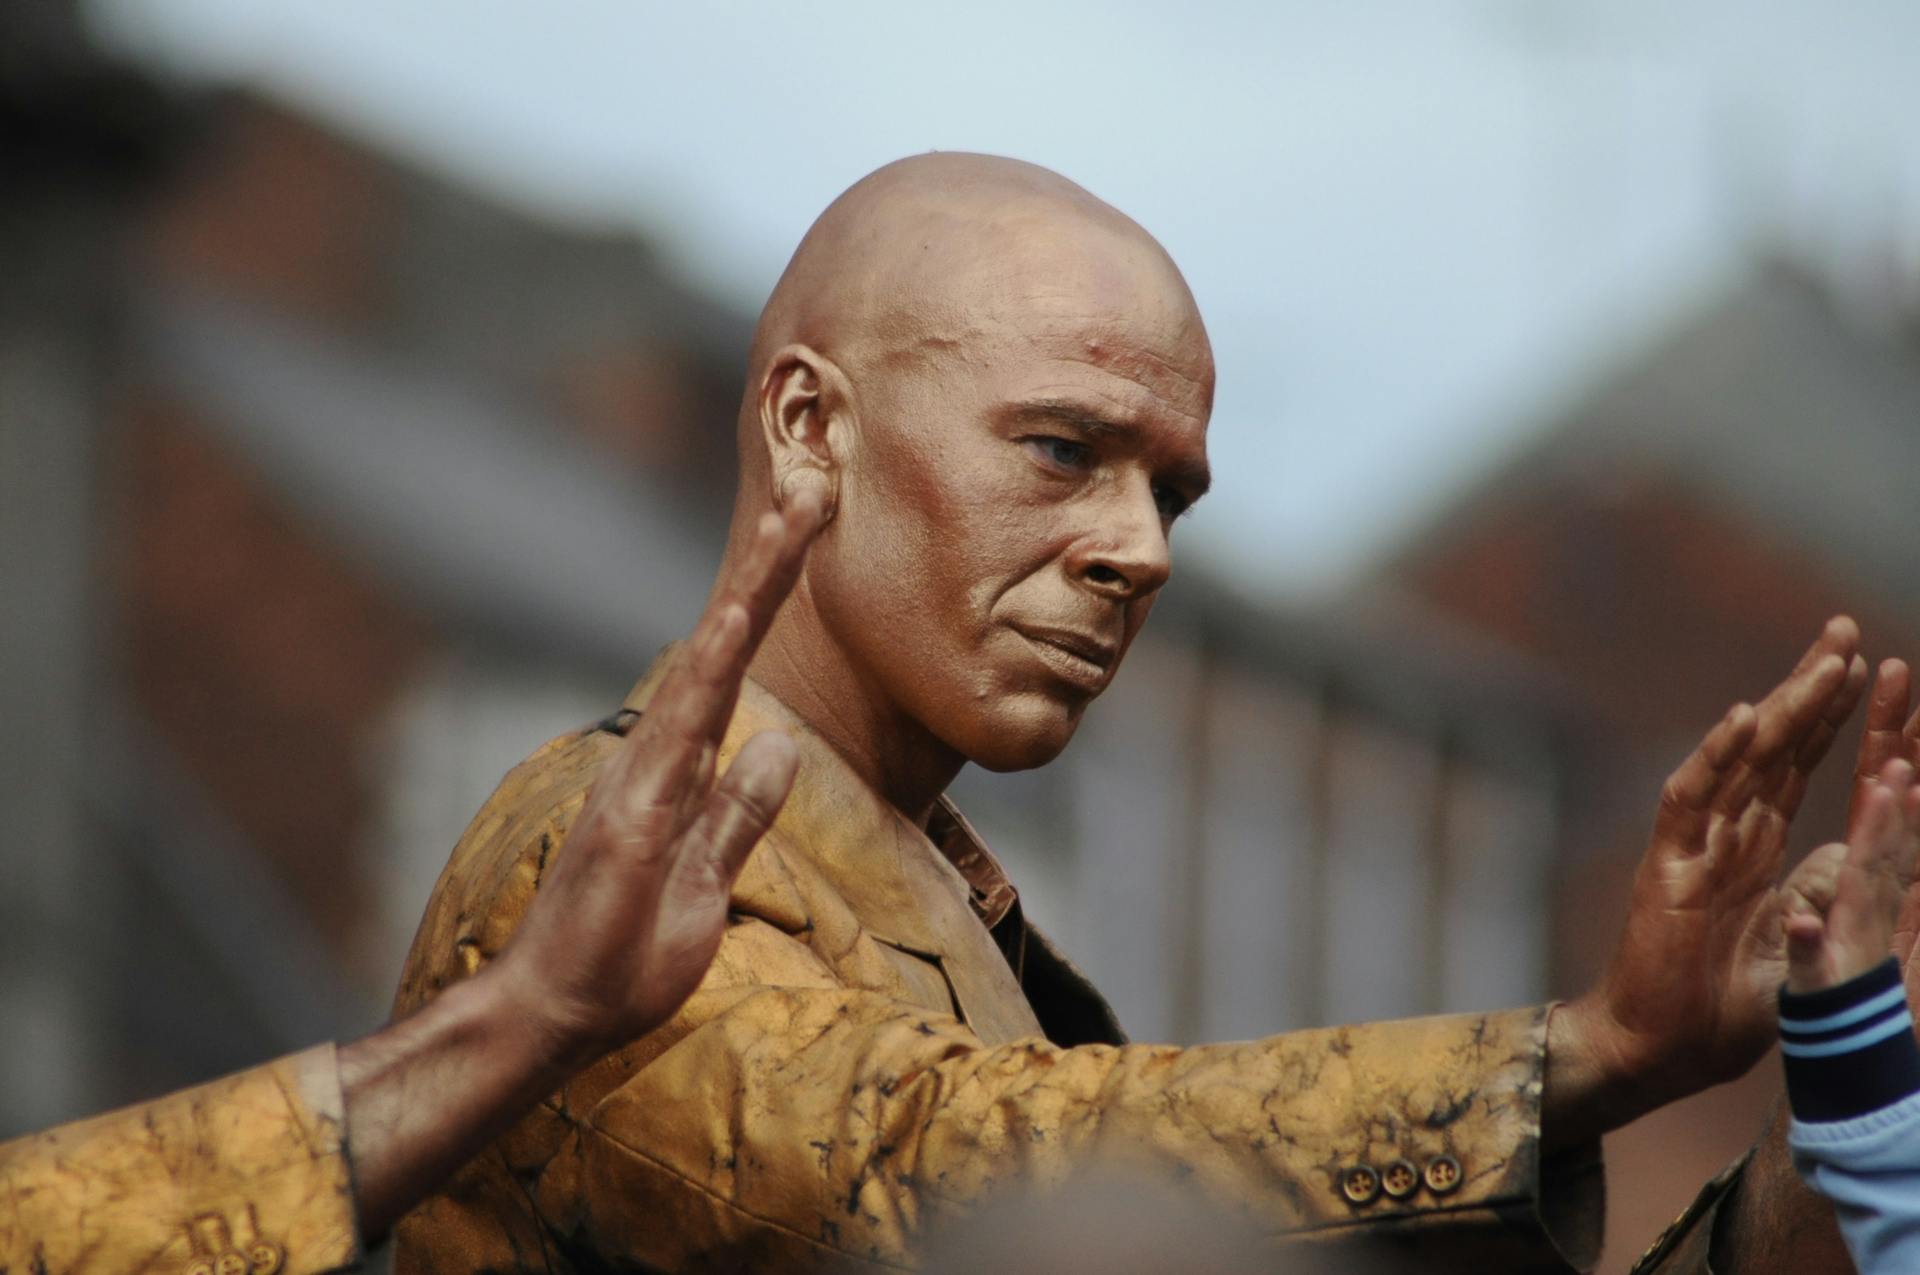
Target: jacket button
<point x="1399" y="1179"/>
<point x="1443" y="1174"/>
<point x="200" y="1267"/>
<point x="264" y="1258"/>
<point x="1360" y="1184"/>
<point x="230" y="1262"/>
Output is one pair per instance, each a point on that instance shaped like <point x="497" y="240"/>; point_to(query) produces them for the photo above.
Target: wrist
<point x="1849" y="1049"/>
<point x="541" y="1029"/>
<point x="1598" y="1077"/>
<point x="427" y="1092"/>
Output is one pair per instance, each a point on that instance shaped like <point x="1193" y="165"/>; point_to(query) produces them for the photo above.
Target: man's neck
<point x="807" y="670"/>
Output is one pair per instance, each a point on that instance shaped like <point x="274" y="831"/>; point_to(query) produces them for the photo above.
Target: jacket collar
<point x="906" y="884"/>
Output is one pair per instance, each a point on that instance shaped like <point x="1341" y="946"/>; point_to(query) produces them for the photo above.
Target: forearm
<point x="251" y="1167"/>
<point x="864" y="1118"/>
<point x="429" y="1092"/>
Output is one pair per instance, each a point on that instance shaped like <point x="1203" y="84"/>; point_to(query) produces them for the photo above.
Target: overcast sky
<point x="1412" y="227"/>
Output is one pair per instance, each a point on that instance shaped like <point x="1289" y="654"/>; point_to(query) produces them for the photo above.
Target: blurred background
<point x="366" y="386"/>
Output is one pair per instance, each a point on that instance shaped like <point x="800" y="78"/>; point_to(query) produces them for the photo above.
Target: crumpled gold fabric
<point x="244" y="1176"/>
<point x="883" y="1040"/>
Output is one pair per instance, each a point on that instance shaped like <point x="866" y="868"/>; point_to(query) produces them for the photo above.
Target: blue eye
<point x="1062" y="452"/>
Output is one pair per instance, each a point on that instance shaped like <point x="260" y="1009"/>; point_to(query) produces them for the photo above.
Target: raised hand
<point x="627" y="918"/>
<point x="1839" y="929"/>
<point x="630" y="913"/>
<point x="1891" y="735"/>
<point x="1687" y="1000"/>
<point x="1772" y="1222"/>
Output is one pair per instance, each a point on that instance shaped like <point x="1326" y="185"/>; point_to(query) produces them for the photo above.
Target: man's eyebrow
<point x="1193" y="476"/>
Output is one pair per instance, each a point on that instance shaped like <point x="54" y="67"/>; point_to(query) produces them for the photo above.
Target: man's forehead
<point x="1010" y="273"/>
<point x="1147" y="352"/>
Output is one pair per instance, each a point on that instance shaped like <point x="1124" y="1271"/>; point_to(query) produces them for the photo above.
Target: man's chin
<point x="1023" y="731"/>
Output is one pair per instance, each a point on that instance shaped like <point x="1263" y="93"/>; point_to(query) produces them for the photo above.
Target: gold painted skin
<point x="244" y="1176"/>
<point x="866" y="1056"/>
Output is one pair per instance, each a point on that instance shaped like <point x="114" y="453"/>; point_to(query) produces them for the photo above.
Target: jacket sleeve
<point x="794" y="1124"/>
<point x="244" y="1176"/>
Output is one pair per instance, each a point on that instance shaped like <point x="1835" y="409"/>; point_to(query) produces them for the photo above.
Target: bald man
<point x="999" y="387"/>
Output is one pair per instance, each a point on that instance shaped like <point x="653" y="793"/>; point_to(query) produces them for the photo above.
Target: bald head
<point x="937" y="255"/>
<point x="1002" y="385"/>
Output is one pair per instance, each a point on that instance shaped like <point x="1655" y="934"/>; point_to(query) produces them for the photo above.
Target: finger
<point x="1886" y="714"/>
<point x="1806" y="946"/>
<point x="1686" y="799"/>
<point x="1907" y="924"/>
<point x="1813" y="883"/>
<point x="743" y="806"/>
<point x="1768" y="781"/>
<point x="1788" y="789"/>
<point x="1793" y="786"/>
<point x="1867" y="900"/>
<point x="756" y="589"/>
<point x="662" y="756"/>
<point x="1873" y="850"/>
<point x="767" y="572"/>
<point x="1903" y="819"/>
<point x="800" y="524"/>
<point x="1790" y="793"/>
<point x="1839" y="636"/>
<point x="1784" y="719"/>
<point x="1910" y="817"/>
<point x="1884" y="739"/>
<point x="690" y="710"/>
<point x="1792" y="709"/>
<point x="1749" y="848"/>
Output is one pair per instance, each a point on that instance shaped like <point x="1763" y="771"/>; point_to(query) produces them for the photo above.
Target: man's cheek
<point x="1137" y="613"/>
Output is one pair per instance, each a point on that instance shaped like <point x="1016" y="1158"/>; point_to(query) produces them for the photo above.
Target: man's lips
<point x="1076" y="657"/>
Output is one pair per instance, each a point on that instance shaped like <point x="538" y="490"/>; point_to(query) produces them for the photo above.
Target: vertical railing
<point x="1471" y="850"/>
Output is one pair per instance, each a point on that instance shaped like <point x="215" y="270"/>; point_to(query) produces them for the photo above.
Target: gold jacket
<point x="244" y="1176"/>
<point x="884" y="1040"/>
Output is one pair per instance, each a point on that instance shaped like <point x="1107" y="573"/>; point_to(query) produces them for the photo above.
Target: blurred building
<point x="323" y="478"/>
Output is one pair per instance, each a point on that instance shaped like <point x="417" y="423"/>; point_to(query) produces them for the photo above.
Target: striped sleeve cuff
<point x="1850" y="1049"/>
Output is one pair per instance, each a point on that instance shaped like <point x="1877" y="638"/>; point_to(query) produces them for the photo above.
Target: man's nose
<point x="1124" y="555"/>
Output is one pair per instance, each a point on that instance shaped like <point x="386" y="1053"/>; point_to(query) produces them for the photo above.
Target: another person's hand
<point x="1855" y="931"/>
<point x="627" y="918"/>
<point x="1892" y="735"/>
<point x="1688" y="998"/>
<point x="1772" y="1222"/>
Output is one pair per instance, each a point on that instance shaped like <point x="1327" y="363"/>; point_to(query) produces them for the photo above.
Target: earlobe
<point x="788" y="486"/>
<point x="802" y="409"/>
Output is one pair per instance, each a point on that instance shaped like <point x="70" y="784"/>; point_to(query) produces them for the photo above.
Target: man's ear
<point x="804" y="417"/>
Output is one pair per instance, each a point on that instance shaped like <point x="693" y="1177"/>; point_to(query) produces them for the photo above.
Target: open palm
<point x="1688" y="996"/>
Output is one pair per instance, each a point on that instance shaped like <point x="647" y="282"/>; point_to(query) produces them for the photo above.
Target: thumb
<point x="1806" y="949"/>
<point x="1811" y="886"/>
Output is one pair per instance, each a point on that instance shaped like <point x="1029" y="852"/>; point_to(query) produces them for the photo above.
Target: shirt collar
<point x="831" y="805"/>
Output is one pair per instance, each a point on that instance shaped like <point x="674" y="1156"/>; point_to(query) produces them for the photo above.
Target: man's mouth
<point x="1076" y="658"/>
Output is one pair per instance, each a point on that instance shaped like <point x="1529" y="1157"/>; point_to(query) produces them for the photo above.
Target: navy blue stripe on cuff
<point x="1850" y="1049"/>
